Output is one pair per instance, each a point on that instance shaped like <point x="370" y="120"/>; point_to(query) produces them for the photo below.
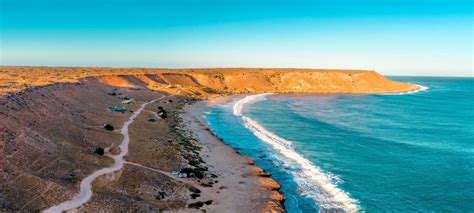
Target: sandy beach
<point x="245" y="188"/>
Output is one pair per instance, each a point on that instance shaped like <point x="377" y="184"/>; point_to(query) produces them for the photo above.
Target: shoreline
<point x="260" y="190"/>
<point x="44" y="118"/>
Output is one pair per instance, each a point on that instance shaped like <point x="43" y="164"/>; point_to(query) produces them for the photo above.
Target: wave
<point x="420" y="88"/>
<point x="312" y="181"/>
<point x="239" y="105"/>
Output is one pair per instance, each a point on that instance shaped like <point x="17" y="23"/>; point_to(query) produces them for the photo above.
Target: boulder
<point x="115" y="150"/>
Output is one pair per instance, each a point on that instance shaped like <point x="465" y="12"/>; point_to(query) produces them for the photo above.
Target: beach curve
<point x="318" y="184"/>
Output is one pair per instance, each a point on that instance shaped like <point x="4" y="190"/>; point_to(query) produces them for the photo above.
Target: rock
<point x="249" y="161"/>
<point x="273" y="207"/>
<point x="115" y="150"/>
<point x="277" y="196"/>
<point x="270" y="184"/>
<point x="260" y="172"/>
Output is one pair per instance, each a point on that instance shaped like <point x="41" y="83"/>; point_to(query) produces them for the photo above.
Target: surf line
<point x="420" y="89"/>
<point x="311" y="179"/>
<point x="85" y="192"/>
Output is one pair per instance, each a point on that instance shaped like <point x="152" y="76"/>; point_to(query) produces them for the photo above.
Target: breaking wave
<point x="420" y="88"/>
<point x="312" y="181"/>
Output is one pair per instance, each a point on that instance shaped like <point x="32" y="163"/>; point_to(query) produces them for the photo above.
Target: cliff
<point x="207" y="81"/>
<point x="52" y="124"/>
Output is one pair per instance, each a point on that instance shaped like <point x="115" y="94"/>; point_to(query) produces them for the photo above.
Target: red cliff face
<point x="203" y="81"/>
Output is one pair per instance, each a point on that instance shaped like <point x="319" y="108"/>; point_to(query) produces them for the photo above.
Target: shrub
<point x="194" y="162"/>
<point x="189" y="171"/>
<point x="162" y="112"/>
<point x="194" y="190"/>
<point x="196" y="205"/>
<point x="160" y="195"/>
<point x="108" y="127"/>
<point x="99" y="151"/>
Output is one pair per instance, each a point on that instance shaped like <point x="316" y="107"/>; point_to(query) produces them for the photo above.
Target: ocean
<point x="375" y="153"/>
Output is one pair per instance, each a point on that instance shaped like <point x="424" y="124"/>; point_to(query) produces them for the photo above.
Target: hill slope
<point x="225" y="80"/>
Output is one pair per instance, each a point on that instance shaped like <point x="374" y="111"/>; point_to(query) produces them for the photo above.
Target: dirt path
<point x="86" y="184"/>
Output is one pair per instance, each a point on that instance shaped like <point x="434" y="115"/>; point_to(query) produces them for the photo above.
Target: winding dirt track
<point x="86" y="184"/>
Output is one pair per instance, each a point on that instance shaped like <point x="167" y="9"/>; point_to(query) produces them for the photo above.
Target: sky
<point x="393" y="37"/>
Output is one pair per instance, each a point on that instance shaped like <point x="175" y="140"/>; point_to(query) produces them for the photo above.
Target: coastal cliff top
<point x="208" y="80"/>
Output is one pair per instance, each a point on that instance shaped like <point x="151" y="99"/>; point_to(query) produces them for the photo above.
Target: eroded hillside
<point x="53" y="133"/>
<point x="208" y="81"/>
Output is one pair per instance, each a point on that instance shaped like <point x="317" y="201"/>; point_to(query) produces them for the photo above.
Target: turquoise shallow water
<point x="412" y="152"/>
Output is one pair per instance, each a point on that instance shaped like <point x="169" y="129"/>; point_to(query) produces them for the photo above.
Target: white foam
<point x="312" y="181"/>
<point x="420" y="88"/>
<point x="239" y="105"/>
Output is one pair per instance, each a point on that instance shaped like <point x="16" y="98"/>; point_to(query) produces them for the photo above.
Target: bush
<point x="108" y="127"/>
<point x="196" y="205"/>
<point x="99" y="151"/>
<point x="194" y="190"/>
<point x="194" y="162"/>
<point x="189" y="171"/>
<point x="162" y="112"/>
<point x="72" y="178"/>
<point x="160" y="195"/>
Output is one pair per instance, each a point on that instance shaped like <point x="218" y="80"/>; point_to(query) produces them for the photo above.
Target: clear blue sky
<point x="394" y="37"/>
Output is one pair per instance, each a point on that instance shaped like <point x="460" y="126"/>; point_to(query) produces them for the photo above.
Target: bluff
<point x="206" y="81"/>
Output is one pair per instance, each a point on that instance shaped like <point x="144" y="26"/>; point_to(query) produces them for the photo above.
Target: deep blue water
<point x="412" y="152"/>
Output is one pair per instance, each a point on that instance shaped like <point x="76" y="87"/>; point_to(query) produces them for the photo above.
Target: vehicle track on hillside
<point x="86" y="192"/>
